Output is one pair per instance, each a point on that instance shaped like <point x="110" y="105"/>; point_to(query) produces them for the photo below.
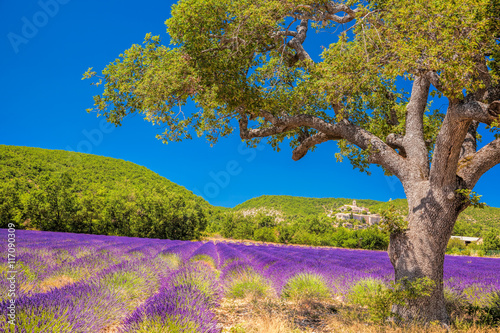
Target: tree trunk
<point x="418" y="252"/>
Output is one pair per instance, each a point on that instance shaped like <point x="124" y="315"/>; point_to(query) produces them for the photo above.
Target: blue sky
<point x="46" y="46"/>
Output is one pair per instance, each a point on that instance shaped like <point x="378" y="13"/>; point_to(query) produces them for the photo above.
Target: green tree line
<point x="312" y="230"/>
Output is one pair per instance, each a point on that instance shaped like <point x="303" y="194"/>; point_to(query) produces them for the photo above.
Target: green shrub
<point x="455" y="302"/>
<point x="265" y="234"/>
<point x="374" y="294"/>
<point x="379" y="298"/>
<point x="455" y="243"/>
<point x="327" y="240"/>
<point x="245" y="227"/>
<point x="171" y="260"/>
<point x="286" y="233"/>
<point x="201" y="278"/>
<point x="373" y="239"/>
<point x="491" y="241"/>
<point x="490" y="314"/>
<point x="205" y="258"/>
<point x="474" y="246"/>
<point x="305" y="237"/>
<point x="341" y="235"/>
<point x="237" y="329"/>
<point x="350" y="243"/>
<point x="306" y="286"/>
<point x="248" y="284"/>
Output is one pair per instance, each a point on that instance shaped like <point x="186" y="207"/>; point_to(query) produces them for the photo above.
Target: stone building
<point x="348" y="212"/>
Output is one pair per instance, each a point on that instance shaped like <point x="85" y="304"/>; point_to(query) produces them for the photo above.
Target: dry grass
<point x="274" y="315"/>
<point x="55" y="282"/>
<point x="112" y="328"/>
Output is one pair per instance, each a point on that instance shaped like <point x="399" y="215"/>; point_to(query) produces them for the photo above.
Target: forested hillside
<point x="472" y="222"/>
<point x="68" y="191"/>
<point x="298" y="206"/>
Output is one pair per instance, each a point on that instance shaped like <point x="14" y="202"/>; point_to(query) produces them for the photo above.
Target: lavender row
<point x="183" y="304"/>
<point x="73" y="308"/>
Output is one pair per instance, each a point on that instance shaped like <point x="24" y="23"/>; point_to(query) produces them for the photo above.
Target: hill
<point x="31" y="163"/>
<point x="471" y="222"/>
<point x="67" y="191"/>
<point x="292" y="206"/>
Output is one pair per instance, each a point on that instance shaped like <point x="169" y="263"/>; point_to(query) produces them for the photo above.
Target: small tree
<point x="491" y="241"/>
<point x="247" y="60"/>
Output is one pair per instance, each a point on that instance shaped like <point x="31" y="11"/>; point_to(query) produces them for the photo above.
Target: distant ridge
<point x="300" y="206"/>
<point x="291" y="207"/>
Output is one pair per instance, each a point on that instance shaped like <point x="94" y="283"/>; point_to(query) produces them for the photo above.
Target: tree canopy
<point x="240" y="60"/>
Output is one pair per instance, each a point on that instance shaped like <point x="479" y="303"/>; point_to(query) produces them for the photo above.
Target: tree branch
<point x="285" y="33"/>
<point x="435" y="81"/>
<point x="413" y="141"/>
<point x="395" y="141"/>
<point x="469" y="146"/>
<point x="325" y="13"/>
<point x="448" y="147"/>
<point x="472" y="167"/>
<point x="297" y="40"/>
<point x="380" y="152"/>
<point x="456" y="139"/>
<point x="483" y="74"/>
<point x="310" y="142"/>
<point x="480" y="112"/>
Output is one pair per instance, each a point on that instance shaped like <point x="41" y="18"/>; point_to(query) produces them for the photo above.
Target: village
<point x="348" y="213"/>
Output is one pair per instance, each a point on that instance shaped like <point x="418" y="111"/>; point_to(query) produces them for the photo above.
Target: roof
<point x="466" y="239"/>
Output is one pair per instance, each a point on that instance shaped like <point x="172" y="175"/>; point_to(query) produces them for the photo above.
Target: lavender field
<point x="88" y="283"/>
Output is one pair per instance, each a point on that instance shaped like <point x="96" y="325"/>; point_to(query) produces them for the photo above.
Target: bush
<point x="455" y="243"/>
<point x="304" y="237"/>
<point x="374" y="294"/>
<point x="205" y="258"/>
<point x="481" y="253"/>
<point x="373" y="239"/>
<point x="248" y="284"/>
<point x="350" y="243"/>
<point x="286" y="233"/>
<point x="265" y="234"/>
<point x="379" y="298"/>
<point x="341" y="235"/>
<point x="228" y="225"/>
<point x="466" y="251"/>
<point x="490" y="314"/>
<point x="306" y="286"/>
<point x="327" y="240"/>
<point x="245" y="227"/>
<point x="491" y="241"/>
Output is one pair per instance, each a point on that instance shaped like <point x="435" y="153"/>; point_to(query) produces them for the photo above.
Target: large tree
<point x="370" y="90"/>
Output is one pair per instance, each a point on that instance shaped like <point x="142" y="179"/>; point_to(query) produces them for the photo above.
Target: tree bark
<point x="419" y="251"/>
